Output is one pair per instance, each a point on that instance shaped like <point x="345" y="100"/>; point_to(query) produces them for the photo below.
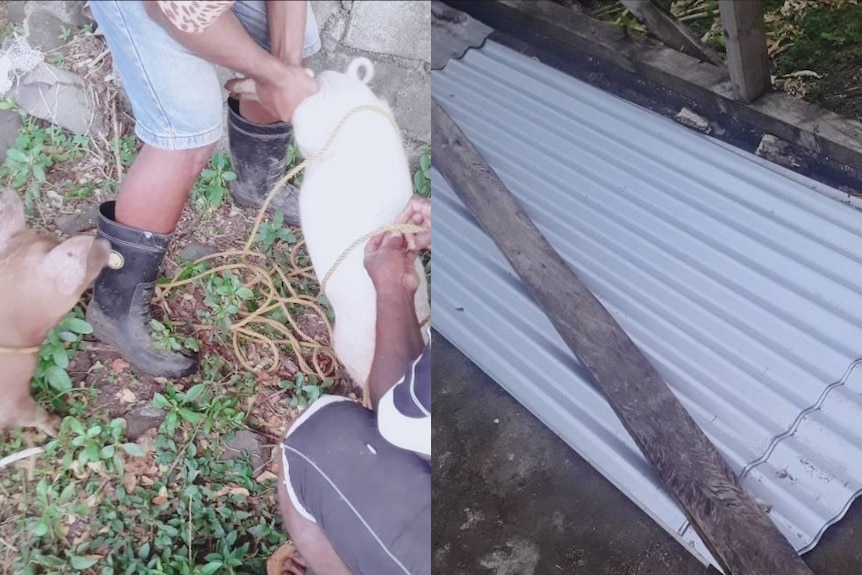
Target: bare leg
<point x="255" y="113"/>
<point x="310" y="541"/>
<point x="157" y="186"/>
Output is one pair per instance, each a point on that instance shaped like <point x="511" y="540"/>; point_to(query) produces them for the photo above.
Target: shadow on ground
<point x="510" y="498"/>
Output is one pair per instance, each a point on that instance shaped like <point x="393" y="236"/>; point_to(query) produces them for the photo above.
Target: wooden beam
<point x="668" y="30"/>
<point x="736" y="530"/>
<point x="747" y="56"/>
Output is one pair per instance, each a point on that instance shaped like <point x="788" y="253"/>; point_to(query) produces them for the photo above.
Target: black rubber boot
<point x="120" y="309"/>
<point x="257" y="154"/>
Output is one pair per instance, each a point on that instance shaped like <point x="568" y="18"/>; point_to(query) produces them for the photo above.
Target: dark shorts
<point x="370" y="498"/>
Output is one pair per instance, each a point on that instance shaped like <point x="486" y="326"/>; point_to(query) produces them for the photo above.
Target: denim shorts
<point x="176" y="96"/>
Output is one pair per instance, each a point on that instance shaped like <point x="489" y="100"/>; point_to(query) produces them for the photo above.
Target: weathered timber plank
<point x="668" y="30"/>
<point x="745" y="41"/>
<point x="571" y="35"/>
<point x="735" y="529"/>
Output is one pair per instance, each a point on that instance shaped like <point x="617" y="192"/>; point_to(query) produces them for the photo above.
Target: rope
<point x="399" y="228"/>
<point x="272" y="300"/>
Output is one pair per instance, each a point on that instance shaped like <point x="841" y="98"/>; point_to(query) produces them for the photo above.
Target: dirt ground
<point x="511" y="498"/>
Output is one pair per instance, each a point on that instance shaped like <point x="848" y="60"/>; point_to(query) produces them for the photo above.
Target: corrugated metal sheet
<point x="739" y="283"/>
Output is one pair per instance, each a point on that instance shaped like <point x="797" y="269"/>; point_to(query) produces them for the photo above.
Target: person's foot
<point x="257" y="154"/>
<point x="119" y="311"/>
<point x="286" y="561"/>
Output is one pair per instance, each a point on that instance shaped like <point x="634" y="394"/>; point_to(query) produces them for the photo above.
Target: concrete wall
<point x="396" y="37"/>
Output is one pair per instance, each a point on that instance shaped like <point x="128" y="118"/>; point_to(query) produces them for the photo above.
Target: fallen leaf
<point x="126" y="396"/>
<point x="266" y="476"/>
<point x="239" y="491"/>
<point x="160" y="500"/>
<point x="119" y="365"/>
<point x="130" y="481"/>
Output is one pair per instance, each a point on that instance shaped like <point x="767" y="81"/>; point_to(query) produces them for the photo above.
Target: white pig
<point x="362" y="183"/>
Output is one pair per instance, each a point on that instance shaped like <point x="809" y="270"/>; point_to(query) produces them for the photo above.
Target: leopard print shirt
<point x="193" y="16"/>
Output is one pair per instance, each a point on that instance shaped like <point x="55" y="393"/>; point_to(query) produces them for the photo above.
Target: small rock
<point x="60" y="97"/>
<point x="142" y="419"/>
<point x="10" y="124"/>
<point x="76" y="223"/>
<point x="246" y="441"/>
<point x="779" y="152"/>
<point x="687" y="117"/>
<point x="73" y="13"/>
<point x="16" y="12"/>
<point x="44" y="31"/>
<point x="195" y="251"/>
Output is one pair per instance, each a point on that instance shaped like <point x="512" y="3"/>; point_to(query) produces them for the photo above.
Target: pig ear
<point x="11" y="216"/>
<point x="357" y="66"/>
<point x="67" y="264"/>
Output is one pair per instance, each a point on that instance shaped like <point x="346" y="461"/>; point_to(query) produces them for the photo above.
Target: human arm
<point x="224" y="41"/>
<point x="398" y="340"/>
<point x="287" y="29"/>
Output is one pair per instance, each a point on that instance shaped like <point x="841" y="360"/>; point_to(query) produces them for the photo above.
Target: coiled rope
<point x="262" y="277"/>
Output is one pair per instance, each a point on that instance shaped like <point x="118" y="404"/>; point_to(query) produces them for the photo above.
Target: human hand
<point x="286" y="561"/>
<point x="279" y="92"/>
<point x="391" y="263"/>
<point x="418" y="212"/>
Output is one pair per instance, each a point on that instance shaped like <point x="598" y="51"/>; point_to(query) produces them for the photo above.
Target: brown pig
<point x="41" y="280"/>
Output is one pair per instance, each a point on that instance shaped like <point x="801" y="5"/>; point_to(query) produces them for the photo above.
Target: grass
<point x="829" y="46"/>
<point x="98" y="503"/>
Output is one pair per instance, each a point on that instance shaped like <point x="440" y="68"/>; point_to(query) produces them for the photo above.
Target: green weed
<point x="167" y="338"/>
<point x="224" y="294"/>
<point x="35" y="151"/>
<point x="422" y="176"/>
<point x="10" y="29"/>
<point x="211" y="188"/>
<point x="306" y="389"/>
<point x="270" y="233"/>
<point x="51" y="379"/>
<point x="292" y="159"/>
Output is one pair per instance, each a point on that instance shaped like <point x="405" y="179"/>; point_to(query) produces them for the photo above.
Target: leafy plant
<point x="56" y="352"/>
<point x="128" y="150"/>
<point x="306" y="389"/>
<point x="272" y="232"/>
<point x="96" y="446"/>
<point x="181" y="406"/>
<point x="34" y="153"/>
<point x="292" y="159"/>
<point x="224" y="294"/>
<point x="212" y="186"/>
<point x="422" y="176"/>
<point x="167" y="338"/>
